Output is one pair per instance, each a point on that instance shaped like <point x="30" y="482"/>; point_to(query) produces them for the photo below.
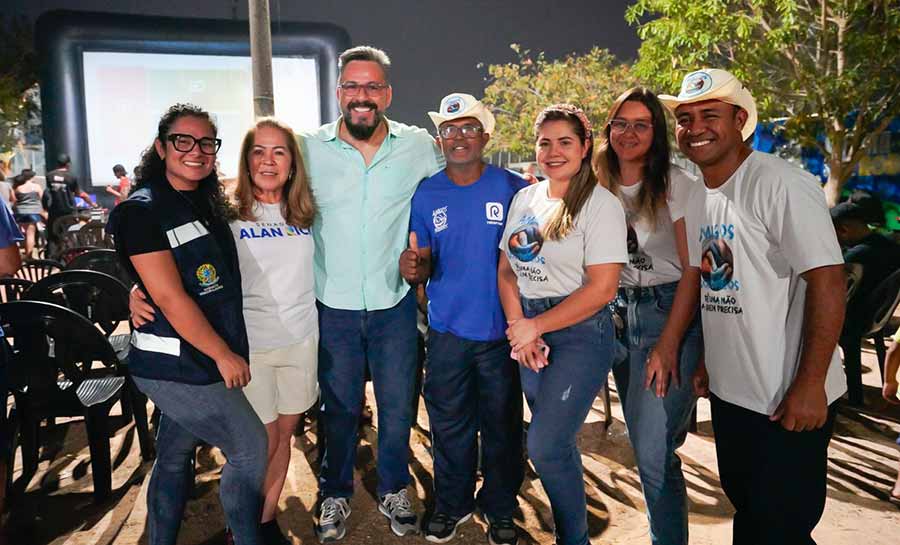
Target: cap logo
<point x="696" y="84"/>
<point x="453" y="105"/>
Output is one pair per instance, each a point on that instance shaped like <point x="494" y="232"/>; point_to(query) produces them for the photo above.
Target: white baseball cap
<point x="459" y="105"/>
<point x="715" y="84"/>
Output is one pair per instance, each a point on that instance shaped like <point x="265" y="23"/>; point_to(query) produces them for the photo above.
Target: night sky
<point x="435" y="46"/>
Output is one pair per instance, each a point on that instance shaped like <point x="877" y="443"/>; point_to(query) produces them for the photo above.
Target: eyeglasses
<point x="351" y="88"/>
<point x="185" y="143"/>
<point x="467" y="131"/>
<point x="619" y="126"/>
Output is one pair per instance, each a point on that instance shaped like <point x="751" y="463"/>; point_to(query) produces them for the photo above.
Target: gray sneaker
<point x="331" y="519"/>
<point x="397" y="509"/>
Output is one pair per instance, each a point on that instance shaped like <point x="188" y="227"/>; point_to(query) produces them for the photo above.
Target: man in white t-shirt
<point x="772" y="303"/>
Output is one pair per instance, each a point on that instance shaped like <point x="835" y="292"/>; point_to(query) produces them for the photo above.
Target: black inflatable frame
<point x="62" y="36"/>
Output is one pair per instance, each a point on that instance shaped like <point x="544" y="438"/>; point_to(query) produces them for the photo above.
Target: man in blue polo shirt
<point x="471" y="383"/>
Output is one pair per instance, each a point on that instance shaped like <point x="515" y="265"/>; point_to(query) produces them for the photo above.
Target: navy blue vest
<point x="211" y="278"/>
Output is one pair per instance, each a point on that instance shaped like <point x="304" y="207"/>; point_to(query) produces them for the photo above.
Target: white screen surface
<point x="126" y="93"/>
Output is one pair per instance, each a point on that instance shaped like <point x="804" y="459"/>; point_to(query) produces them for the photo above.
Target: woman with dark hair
<point x="192" y="359"/>
<point x="275" y="209"/>
<point x="657" y="300"/>
<point x="564" y="246"/>
<point x="28" y="208"/>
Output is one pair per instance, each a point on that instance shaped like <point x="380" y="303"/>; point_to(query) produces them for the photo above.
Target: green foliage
<point x="18" y="78"/>
<point x="518" y="91"/>
<point x="828" y="66"/>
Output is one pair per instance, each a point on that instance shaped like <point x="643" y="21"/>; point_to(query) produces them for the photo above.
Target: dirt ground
<point x="57" y="508"/>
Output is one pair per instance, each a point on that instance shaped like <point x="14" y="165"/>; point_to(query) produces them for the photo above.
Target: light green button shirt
<point x="362" y="218"/>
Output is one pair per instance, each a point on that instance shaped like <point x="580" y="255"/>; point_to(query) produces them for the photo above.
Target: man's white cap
<point x="715" y="84"/>
<point x="459" y="105"/>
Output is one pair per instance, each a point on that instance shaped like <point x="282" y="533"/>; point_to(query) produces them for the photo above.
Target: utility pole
<point x="261" y="58"/>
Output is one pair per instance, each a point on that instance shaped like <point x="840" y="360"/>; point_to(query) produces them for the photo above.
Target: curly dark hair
<point x="152" y="167"/>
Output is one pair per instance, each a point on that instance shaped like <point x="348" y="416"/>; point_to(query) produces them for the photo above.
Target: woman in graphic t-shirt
<point x="275" y="252"/>
<point x="564" y="247"/>
<point x="657" y="301"/>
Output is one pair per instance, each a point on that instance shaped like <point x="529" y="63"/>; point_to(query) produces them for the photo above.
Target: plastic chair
<point x="102" y="260"/>
<point x="51" y="374"/>
<point x="69" y="254"/>
<point x="103" y="300"/>
<point x="879" y="305"/>
<point x="37" y="269"/>
<point x="883" y="301"/>
<point x="90" y="234"/>
<point x="11" y="289"/>
<point x="854" y="277"/>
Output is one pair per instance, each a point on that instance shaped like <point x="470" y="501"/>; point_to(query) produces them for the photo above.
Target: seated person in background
<point x="870" y="205"/>
<point x="879" y="257"/>
<point x="889" y="393"/>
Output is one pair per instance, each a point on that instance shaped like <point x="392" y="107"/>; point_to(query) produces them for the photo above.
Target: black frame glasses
<point x="352" y="88"/>
<point x="206" y="144"/>
<point x="467" y="131"/>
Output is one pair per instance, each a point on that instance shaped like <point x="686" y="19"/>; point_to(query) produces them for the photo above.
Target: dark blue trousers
<point x="472" y="386"/>
<point x="385" y="342"/>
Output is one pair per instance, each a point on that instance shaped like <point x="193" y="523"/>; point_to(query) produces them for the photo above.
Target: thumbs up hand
<point x="411" y="268"/>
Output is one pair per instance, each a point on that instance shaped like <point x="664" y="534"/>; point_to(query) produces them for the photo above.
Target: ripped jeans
<point x="560" y="397"/>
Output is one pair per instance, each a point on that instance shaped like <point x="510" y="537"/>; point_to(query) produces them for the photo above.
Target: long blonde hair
<point x="297" y="204"/>
<point x="582" y="185"/>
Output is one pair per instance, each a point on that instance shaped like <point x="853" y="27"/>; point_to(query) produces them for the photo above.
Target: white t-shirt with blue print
<point x="752" y="238"/>
<point x="276" y="261"/>
<point x="462" y="226"/>
<point x="555" y="268"/>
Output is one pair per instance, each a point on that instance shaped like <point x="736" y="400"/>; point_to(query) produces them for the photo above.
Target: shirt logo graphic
<point x="208" y="278"/>
<point x="493" y="211"/>
<point x="439" y="218"/>
<point x="207" y="275"/>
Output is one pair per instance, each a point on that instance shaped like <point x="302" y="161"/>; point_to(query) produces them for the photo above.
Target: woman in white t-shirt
<point x="564" y="247"/>
<point x="657" y="301"/>
<point x="275" y="210"/>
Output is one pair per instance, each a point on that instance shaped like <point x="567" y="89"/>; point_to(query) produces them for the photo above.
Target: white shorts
<point x="284" y="380"/>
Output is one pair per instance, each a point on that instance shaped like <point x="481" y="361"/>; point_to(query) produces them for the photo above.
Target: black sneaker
<point x="502" y="531"/>
<point x="441" y="527"/>
<point x="271" y="534"/>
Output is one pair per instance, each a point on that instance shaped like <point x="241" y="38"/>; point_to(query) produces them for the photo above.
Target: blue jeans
<point x="472" y="386"/>
<point x="560" y="397"/>
<point x="386" y="342"/>
<point x="657" y="426"/>
<point x="223" y="418"/>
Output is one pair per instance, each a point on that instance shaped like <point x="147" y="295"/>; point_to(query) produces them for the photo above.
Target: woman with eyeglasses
<point x="657" y="301"/>
<point x="172" y="234"/>
<point x="275" y="251"/>
<point x="564" y="247"/>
